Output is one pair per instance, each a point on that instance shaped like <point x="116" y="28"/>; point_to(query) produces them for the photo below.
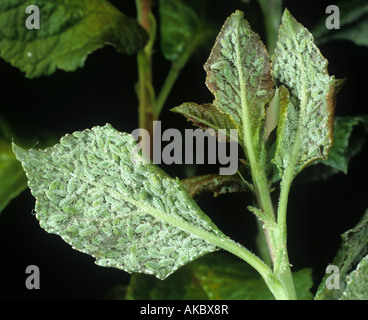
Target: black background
<point x="103" y="92"/>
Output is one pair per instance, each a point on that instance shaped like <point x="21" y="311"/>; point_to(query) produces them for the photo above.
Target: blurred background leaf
<point x="353" y="24"/>
<point x="69" y="32"/>
<point x="184" y="27"/>
<point x="12" y="177"/>
<point x="217" y="276"/>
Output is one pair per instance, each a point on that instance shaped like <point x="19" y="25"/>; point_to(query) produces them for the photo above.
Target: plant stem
<point x="272" y="11"/>
<point x="166" y="88"/>
<point x="146" y="95"/>
<point x="175" y="69"/>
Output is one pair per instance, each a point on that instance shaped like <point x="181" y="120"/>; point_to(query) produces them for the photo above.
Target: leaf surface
<point x="96" y="192"/>
<point x="69" y="32"/>
<point x="307" y="99"/>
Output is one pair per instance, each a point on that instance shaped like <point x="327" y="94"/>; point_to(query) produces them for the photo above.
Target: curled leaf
<point x="307" y="99"/>
<point x="214" y="183"/>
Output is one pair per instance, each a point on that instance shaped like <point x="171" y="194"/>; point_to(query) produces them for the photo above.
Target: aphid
<point x="112" y="254"/>
<point x="100" y="143"/>
<point x="226" y="53"/>
<point x="258" y="62"/>
<point x="219" y="65"/>
<point x="54" y="185"/>
<point x="67" y="201"/>
<point x="91" y="248"/>
<point x="106" y="164"/>
<point x="97" y="202"/>
<point x="152" y="265"/>
<point x="71" y="186"/>
<point x="167" y="250"/>
<point x="88" y="174"/>
<point x="133" y="259"/>
<point x="70" y="210"/>
<point x="122" y="188"/>
<point x="51" y="196"/>
<point x="261" y="93"/>
<point x="88" y="231"/>
<point x="129" y="232"/>
<point x="166" y="262"/>
<point x="57" y="217"/>
<point x="108" y="181"/>
<point x="78" y="134"/>
<point x="142" y="228"/>
<point x="73" y="229"/>
<point x="65" y="141"/>
<point x="158" y="204"/>
<point x="154" y="253"/>
<point x="106" y="262"/>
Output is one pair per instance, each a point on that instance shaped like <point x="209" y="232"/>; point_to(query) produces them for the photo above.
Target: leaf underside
<point x="128" y="215"/>
<point x="69" y="32"/>
<point x="307" y="98"/>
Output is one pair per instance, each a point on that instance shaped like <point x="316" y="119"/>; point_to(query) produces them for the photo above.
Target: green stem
<point x="272" y="12"/>
<point x="175" y="69"/>
<point x="166" y="88"/>
<point x="282" y="269"/>
<point x="146" y="95"/>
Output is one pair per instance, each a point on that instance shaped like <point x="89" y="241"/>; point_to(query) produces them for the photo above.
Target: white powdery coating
<point x="91" y="194"/>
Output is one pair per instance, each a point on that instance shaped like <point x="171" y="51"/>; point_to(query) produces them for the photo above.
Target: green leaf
<point x="103" y="198"/>
<point x="353" y="24"/>
<point x="183" y="27"/>
<point x="69" y="32"/>
<point x="305" y="129"/>
<point x="348" y="142"/>
<point x="357" y="282"/>
<point x="343" y="149"/>
<point x="213" y="277"/>
<point x="179" y="286"/>
<point x="238" y="75"/>
<point x="207" y="116"/>
<point x="12" y="178"/>
<point x="351" y="260"/>
<point x="214" y="183"/>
